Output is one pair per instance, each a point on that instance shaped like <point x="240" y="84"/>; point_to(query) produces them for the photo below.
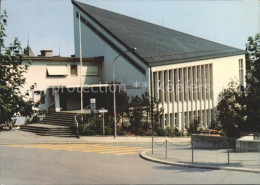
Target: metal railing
<point x="50" y="109"/>
<point x="76" y="120"/>
<point x="192" y="144"/>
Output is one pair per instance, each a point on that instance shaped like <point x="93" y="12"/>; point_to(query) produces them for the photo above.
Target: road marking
<point x="126" y="153"/>
<point x="97" y="148"/>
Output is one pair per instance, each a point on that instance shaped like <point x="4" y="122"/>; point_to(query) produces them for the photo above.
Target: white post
<point x="80" y="53"/>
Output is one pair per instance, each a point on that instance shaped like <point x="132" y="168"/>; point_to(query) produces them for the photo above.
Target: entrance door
<point x="63" y="101"/>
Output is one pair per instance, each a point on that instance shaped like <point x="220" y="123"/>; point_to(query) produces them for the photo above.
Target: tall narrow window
<point x="170" y="86"/>
<point x="194" y="82"/>
<point x="180" y="85"/>
<point x="154" y="84"/>
<point x="203" y="81"/>
<point x="198" y="83"/>
<point x="175" y="85"/>
<point x="189" y="83"/>
<point x="159" y="85"/>
<point x="207" y="81"/>
<point x="165" y="84"/>
<point x="241" y="72"/>
<point x="73" y="70"/>
<point x="185" y="83"/>
<point x="211" y="81"/>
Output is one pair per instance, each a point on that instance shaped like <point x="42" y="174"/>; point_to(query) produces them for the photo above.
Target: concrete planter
<point x="212" y="142"/>
<point x="248" y="144"/>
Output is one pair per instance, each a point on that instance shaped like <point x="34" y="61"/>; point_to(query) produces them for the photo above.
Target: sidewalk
<point x="21" y="137"/>
<point x="209" y="159"/>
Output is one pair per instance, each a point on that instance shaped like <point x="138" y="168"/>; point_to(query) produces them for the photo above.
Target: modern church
<point x="184" y="73"/>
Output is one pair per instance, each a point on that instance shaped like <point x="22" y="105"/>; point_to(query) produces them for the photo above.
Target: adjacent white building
<point x="58" y="79"/>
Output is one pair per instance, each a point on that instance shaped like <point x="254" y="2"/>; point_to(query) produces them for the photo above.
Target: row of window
<point x="205" y="116"/>
<point x="189" y="83"/>
<point x="62" y="70"/>
<point x="241" y="72"/>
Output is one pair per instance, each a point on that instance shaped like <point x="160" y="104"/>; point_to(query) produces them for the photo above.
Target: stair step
<point x="59" y="124"/>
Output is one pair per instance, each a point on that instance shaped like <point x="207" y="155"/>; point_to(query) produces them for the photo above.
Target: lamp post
<point x="114" y="85"/>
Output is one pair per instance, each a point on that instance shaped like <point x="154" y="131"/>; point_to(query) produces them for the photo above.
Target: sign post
<point x="103" y="111"/>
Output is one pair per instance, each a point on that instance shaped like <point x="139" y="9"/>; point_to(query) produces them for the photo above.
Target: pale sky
<point x="49" y="23"/>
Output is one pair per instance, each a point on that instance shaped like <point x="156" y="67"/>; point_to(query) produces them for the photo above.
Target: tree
<point x="231" y="110"/>
<point x="253" y="94"/>
<point x="12" y="100"/>
<point x="194" y="126"/>
<point x="136" y="115"/>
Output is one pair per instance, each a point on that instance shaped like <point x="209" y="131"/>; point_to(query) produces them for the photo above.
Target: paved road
<point x="72" y="164"/>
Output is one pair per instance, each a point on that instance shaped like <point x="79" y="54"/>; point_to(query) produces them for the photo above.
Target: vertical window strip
<point x="170" y="85"/>
<point x="165" y="86"/>
<point x="207" y="81"/>
<point x="180" y="84"/>
<point x="241" y="72"/>
<point x="175" y="85"/>
<point x="199" y="82"/>
<point x="154" y="84"/>
<point x="185" y="83"/>
<point x="203" y="82"/>
<point x="195" y="89"/>
<point x="159" y="85"/>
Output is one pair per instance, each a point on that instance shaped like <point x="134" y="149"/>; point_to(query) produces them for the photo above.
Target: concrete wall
<point x="224" y="71"/>
<point x="212" y="142"/>
<point x="247" y="144"/>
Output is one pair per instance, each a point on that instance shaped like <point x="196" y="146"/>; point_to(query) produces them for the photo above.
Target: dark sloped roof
<point x="155" y="44"/>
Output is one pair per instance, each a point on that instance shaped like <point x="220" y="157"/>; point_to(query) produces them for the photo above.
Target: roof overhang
<point x="78" y="86"/>
<point x="64" y="59"/>
<point x="194" y="59"/>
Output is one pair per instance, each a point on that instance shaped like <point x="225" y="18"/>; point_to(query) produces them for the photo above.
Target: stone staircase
<point x="59" y="124"/>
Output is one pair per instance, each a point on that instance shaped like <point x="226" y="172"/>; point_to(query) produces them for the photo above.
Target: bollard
<point x="166" y="149"/>
<point x="192" y="146"/>
<point x="152" y="145"/>
<point x="228" y="154"/>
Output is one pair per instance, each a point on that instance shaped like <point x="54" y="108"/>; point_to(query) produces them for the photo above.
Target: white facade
<point x="190" y="90"/>
<point x="54" y="78"/>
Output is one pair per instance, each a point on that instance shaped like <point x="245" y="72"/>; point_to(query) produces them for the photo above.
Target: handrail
<point x="47" y="108"/>
<point x="76" y="121"/>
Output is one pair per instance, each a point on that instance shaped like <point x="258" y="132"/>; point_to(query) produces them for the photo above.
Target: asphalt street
<point x="101" y="164"/>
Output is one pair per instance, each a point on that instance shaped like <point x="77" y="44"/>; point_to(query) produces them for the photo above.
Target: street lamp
<point x="114" y="85"/>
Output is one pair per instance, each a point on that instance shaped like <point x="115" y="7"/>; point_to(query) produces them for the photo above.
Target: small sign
<point x="92" y="100"/>
<point x="93" y="105"/>
<point x="132" y="87"/>
<point x="102" y="111"/>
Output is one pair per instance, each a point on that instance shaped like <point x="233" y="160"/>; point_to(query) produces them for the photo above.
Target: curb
<point x="146" y="157"/>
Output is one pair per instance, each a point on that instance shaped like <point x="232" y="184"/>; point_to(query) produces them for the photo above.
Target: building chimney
<point x="46" y="53"/>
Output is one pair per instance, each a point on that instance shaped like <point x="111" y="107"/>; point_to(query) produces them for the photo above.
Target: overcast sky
<point x="49" y="23"/>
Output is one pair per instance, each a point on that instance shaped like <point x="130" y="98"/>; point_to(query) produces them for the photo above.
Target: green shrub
<point x="194" y="126"/>
<point x="159" y="131"/>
